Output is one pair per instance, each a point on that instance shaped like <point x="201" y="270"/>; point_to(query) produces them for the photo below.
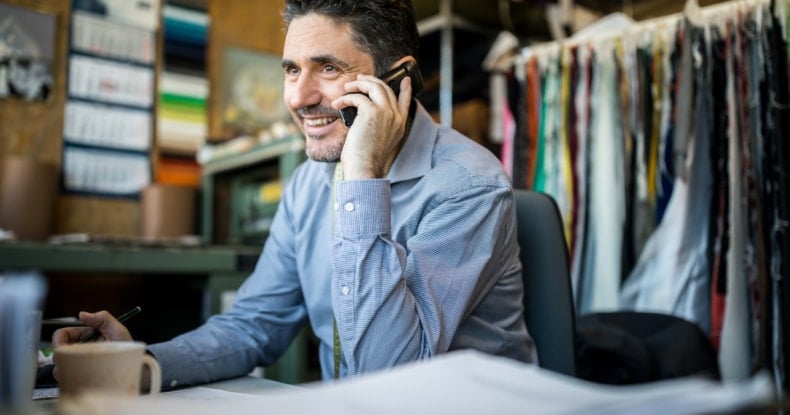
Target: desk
<point x="220" y="267"/>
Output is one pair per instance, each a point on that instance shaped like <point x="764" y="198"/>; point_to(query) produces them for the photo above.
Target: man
<point x="416" y="256"/>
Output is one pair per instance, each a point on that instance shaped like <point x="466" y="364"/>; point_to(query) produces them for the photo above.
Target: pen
<point x="94" y="334"/>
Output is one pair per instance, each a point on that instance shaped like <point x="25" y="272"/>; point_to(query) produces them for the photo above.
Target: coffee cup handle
<point x="156" y="374"/>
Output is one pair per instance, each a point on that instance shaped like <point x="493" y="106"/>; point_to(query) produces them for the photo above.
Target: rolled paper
<point x="168" y="211"/>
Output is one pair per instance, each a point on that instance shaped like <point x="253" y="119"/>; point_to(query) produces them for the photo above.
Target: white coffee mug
<point x="104" y="368"/>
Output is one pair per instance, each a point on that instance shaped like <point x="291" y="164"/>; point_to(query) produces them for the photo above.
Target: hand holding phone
<point x="392" y="78"/>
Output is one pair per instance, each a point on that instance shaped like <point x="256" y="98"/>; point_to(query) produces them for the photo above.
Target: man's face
<point x="319" y="58"/>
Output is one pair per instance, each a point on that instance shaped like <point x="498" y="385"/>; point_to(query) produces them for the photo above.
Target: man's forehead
<point x="317" y="32"/>
<point x="315" y="38"/>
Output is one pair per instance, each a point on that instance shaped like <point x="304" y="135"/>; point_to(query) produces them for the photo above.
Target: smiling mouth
<point x="319" y="122"/>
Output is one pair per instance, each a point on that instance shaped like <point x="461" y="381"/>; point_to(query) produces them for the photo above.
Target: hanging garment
<point x="642" y="213"/>
<point x="563" y="192"/>
<point x="735" y="350"/>
<point x="603" y="244"/>
<point x="573" y="148"/>
<point x="668" y="105"/>
<point x="627" y="83"/>
<point x="516" y="94"/>
<point x="758" y="283"/>
<point x="502" y="123"/>
<point x="671" y="275"/>
<point x="532" y="116"/>
<point x="719" y="239"/>
<point x="778" y="128"/>
<point x="546" y="121"/>
<point x="582" y="110"/>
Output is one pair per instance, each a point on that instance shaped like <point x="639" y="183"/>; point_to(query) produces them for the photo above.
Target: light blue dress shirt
<point x="420" y="263"/>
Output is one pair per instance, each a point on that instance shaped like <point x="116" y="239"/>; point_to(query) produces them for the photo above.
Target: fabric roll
<point x="28" y="189"/>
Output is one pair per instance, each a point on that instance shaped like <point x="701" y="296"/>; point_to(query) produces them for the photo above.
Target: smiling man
<point x="395" y="240"/>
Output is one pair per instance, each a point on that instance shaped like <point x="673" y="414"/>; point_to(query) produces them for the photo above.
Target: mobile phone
<point x="392" y="78"/>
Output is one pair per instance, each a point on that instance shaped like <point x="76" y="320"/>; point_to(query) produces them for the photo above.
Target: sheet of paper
<point x="111" y="82"/>
<point x="45" y="393"/>
<point x="206" y="394"/>
<point x="463" y="383"/>
<point x="106" y="172"/>
<point x="99" y="36"/>
<point x="106" y="126"/>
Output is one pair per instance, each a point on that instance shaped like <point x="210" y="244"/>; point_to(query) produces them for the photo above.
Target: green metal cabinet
<point x="248" y="182"/>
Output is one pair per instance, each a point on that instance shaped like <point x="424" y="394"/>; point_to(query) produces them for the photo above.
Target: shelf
<point x="254" y="155"/>
<point x="125" y="258"/>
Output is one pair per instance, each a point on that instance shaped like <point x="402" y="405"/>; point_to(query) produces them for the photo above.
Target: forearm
<point x="199" y="357"/>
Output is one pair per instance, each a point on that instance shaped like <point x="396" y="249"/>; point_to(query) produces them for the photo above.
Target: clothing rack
<point x="700" y="16"/>
<point x="663" y="144"/>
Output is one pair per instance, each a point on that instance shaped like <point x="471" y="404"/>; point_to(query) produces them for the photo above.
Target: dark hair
<point x="385" y="29"/>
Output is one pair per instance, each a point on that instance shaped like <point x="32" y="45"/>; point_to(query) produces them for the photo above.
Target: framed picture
<point x="27" y="53"/>
<point x="252" y="91"/>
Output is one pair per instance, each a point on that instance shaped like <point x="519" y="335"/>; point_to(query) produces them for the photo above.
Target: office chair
<point x="548" y="298"/>
<point x="624" y="347"/>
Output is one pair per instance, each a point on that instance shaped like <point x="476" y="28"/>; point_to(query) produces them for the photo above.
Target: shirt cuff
<point x="363" y="207"/>
<point x="165" y="354"/>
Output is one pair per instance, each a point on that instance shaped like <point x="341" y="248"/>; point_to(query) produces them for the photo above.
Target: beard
<point x="321" y="149"/>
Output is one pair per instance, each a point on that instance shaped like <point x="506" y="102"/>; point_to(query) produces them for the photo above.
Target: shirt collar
<point x="414" y="159"/>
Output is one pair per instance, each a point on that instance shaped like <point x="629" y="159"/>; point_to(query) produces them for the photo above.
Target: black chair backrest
<point x="548" y="297"/>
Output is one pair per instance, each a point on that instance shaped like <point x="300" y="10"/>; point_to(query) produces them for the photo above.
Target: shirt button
<point x="173" y="383"/>
<point x="348" y="207"/>
<point x="345" y="290"/>
<point x="337" y="206"/>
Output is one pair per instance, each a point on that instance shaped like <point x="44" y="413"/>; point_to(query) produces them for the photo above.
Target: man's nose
<point x="304" y="92"/>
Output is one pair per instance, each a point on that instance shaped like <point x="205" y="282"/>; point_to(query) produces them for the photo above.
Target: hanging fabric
<point x="664" y="146"/>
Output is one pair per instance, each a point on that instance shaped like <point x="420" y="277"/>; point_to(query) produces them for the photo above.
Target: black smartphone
<point x="391" y="78"/>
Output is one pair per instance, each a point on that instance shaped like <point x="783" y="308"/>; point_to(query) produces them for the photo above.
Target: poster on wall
<point x="252" y="84"/>
<point x="27" y="53"/>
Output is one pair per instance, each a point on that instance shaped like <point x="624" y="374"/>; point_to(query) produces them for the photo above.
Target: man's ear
<point x="401" y="61"/>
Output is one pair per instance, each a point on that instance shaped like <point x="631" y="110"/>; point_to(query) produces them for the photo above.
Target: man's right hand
<point x="108" y="327"/>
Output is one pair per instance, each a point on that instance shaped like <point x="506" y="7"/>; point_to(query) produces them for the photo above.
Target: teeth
<point x="318" y="122"/>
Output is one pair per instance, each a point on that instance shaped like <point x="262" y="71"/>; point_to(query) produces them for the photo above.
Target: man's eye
<point x="290" y="70"/>
<point x="330" y="68"/>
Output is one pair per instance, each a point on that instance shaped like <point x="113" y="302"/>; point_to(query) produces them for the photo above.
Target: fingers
<point x="368" y="89"/>
<point x="68" y="335"/>
<point x="404" y="99"/>
<point x="107" y="326"/>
